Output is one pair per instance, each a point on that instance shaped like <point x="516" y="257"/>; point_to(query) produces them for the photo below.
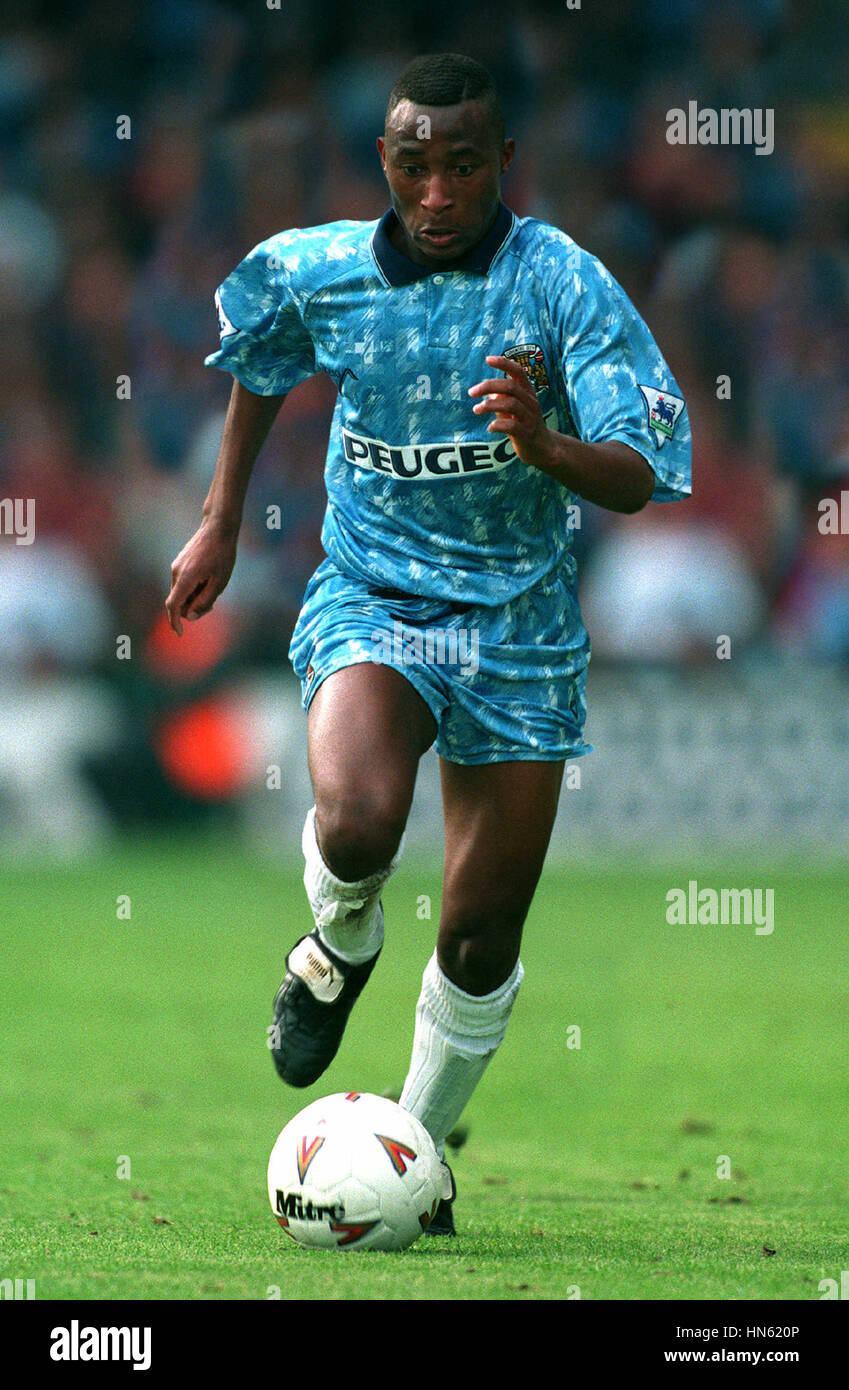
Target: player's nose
<point x="437" y="196"/>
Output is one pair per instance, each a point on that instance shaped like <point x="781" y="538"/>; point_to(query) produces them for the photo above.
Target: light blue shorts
<point x="504" y="684"/>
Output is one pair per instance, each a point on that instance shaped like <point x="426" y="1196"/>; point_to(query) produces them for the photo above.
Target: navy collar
<point x="398" y="269"/>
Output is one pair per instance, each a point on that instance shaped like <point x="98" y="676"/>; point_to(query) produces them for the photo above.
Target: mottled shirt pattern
<point x="421" y="498"/>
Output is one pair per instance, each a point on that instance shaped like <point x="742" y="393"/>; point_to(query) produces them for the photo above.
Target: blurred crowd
<point x="145" y="148"/>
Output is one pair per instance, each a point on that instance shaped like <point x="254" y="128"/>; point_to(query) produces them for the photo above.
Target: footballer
<point x="490" y="374"/>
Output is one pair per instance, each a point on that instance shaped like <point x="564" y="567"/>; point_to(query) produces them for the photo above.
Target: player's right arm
<point x="267" y="347"/>
<point x="203" y="567"/>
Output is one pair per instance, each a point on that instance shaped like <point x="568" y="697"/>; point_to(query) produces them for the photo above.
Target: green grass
<point x="592" y="1168"/>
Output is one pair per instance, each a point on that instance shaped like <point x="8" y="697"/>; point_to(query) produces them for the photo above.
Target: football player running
<point x="490" y="375"/>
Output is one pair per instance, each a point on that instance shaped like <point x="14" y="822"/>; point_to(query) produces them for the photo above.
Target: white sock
<point x="348" y="915"/>
<point x="456" y="1036"/>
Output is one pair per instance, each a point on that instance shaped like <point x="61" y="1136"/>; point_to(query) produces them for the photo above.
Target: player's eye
<point x="464" y="170"/>
<point x="412" y="171"/>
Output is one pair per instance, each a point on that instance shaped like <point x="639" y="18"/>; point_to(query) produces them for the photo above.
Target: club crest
<point x="530" y="357"/>
<point x="663" y="410"/>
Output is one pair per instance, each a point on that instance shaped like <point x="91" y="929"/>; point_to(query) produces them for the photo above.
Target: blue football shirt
<point x="421" y="498"/>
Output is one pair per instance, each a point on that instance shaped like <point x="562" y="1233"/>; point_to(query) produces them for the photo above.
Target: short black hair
<point x="446" y="79"/>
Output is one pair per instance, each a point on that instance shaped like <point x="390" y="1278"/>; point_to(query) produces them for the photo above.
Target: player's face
<point x="443" y="165"/>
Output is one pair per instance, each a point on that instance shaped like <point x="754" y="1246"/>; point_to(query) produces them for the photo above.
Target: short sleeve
<point x="617" y="382"/>
<point x="264" y="341"/>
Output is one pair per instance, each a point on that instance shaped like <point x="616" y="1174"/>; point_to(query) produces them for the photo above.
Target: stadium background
<point x="245" y="120"/>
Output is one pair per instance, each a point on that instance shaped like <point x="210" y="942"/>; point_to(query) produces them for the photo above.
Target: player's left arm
<point x="611" y="473"/>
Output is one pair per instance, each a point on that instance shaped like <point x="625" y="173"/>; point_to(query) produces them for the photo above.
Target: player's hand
<point x="517" y="411"/>
<point x="200" y="573"/>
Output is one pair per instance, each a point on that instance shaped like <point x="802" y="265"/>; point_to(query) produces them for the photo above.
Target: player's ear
<point x="381" y="150"/>
<point x="508" y="149"/>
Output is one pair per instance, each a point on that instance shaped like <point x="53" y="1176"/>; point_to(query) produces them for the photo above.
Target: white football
<point x="355" y="1172"/>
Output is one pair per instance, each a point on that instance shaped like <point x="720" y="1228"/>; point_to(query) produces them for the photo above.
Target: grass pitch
<point x="644" y="1061"/>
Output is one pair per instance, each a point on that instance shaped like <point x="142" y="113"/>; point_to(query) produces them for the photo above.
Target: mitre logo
<point x="292" y="1207"/>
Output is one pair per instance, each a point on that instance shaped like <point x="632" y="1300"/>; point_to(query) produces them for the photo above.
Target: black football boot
<point x="311" y="1008"/>
<point x="442" y="1222"/>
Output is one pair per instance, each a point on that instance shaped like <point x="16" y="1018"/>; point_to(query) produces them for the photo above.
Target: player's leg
<point x="498" y="823"/>
<point x="368" y="728"/>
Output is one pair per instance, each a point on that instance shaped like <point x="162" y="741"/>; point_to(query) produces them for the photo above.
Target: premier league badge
<point x="663" y="410"/>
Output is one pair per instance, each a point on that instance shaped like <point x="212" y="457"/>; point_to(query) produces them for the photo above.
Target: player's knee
<point x="359" y="831"/>
<point x="477" y="955"/>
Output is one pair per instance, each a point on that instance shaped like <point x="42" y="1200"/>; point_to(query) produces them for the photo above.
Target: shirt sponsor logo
<point x="415" y="463"/>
